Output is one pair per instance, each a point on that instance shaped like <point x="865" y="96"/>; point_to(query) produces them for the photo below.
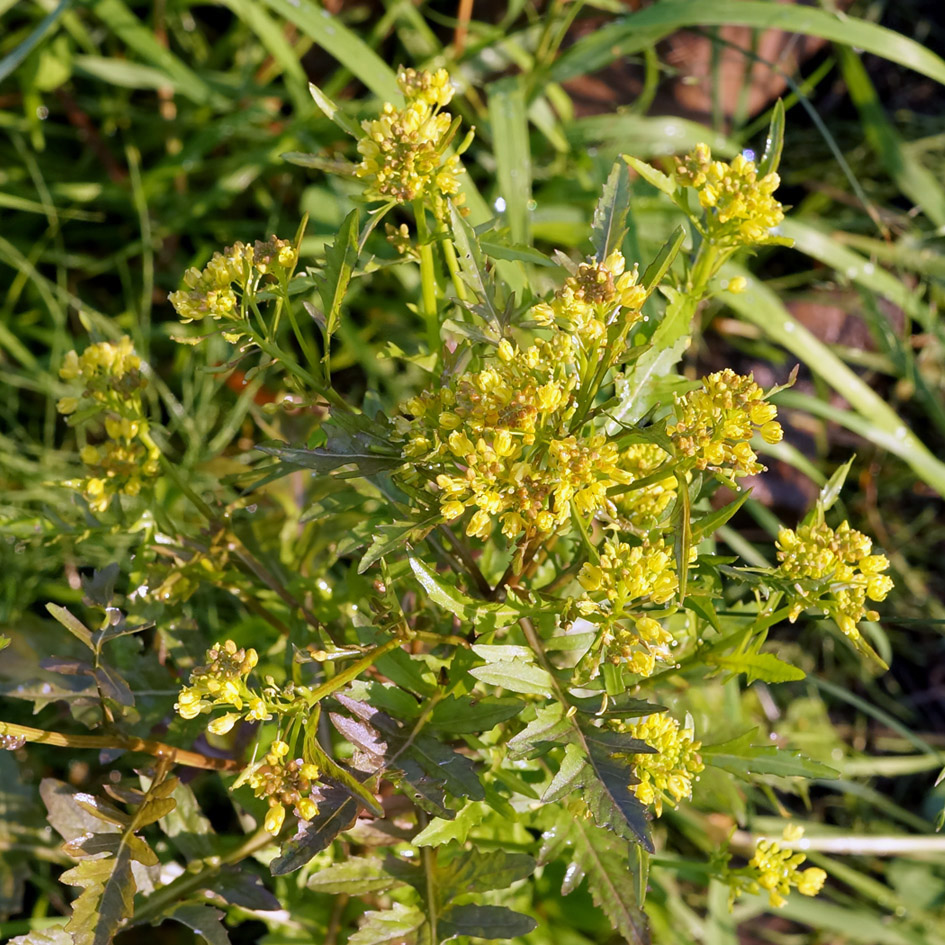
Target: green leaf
<point x="476" y="871"/>
<point x="774" y="143"/>
<point x="343" y="44"/>
<point x="440" y="830"/>
<point x="612" y="803"/>
<point x="106" y="900"/>
<point x="354" y="876"/>
<point x="643" y="29"/>
<point x="830" y="492"/>
<point x="609" y="225"/>
<point x="72" y="624"/>
<point x="457" y="603"/>
<point x="682" y="531"/>
<point x="390" y="927"/>
<point x="120" y="21"/>
<point x="469" y="714"/>
<point x="614" y="707"/>
<point x="334" y="113"/>
<point x="472" y="264"/>
<point x="571" y="774"/>
<point x="918" y="183"/>
<point x="54" y="936"/>
<point x="709" y="524"/>
<point x="651" y="175"/>
<point x="516" y="677"/>
<point x="206" y="921"/>
<point x="669" y="340"/>
<point x="602" y="858"/>
<point x="488" y="922"/>
<point x="512" y="149"/>
<point x="739" y="757"/>
<point x="340" y="259"/>
<point x="657" y="269"/>
<point x="389" y="538"/>
<point x="764" y="666"/>
<point x="337" y="811"/>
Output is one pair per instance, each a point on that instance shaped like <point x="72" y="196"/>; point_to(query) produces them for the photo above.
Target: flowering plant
<point x="491" y="638"/>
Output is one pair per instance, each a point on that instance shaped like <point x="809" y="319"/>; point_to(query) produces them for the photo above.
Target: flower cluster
<point x="209" y="292"/>
<point x="222" y="682"/>
<point x="639" y="510"/>
<point x="740" y="208"/>
<point x="674" y="765"/>
<point x="593" y="299"/>
<point x="712" y="425"/>
<point x="498" y="444"/>
<point x="834" y="571"/>
<point x="776" y="870"/>
<point x="625" y="578"/>
<point x="111" y="382"/>
<point x="403" y="153"/>
<point x="284" y="784"/>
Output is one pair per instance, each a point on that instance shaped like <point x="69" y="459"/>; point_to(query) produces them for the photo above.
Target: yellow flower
<point x="284" y="783"/>
<point x="835" y="572"/>
<point x="776" y="871"/>
<point x="740" y="206"/>
<point x="403" y="152"/>
<point x="222" y="681"/>
<point x="712" y="425"/>
<point x="671" y="770"/>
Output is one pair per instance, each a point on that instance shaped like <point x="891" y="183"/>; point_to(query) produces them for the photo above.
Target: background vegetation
<point x="137" y="139"/>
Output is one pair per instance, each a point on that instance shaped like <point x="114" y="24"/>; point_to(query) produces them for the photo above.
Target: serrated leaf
<point x="651" y="175"/>
<point x="393" y="744"/>
<point x="69" y="819"/>
<point x="107" y="898"/>
<point x="549" y="725"/>
<point x="341" y="256"/>
<point x="472" y="264"/>
<point x="612" y="803"/>
<point x="739" y="757"/>
<point x="388" y="927"/>
<point x="241" y="888"/>
<point x="337" y="811"/>
<point x="206" y="921"/>
<point x="476" y="871"/>
<point x="355" y="876"/>
<point x="609" y="224"/>
<point x="488" y="922"/>
<point x="100" y="587"/>
<point x="441" y="830"/>
<point x="601" y="857"/>
<point x="387" y="538"/>
<point x="572" y="773"/>
<point x="669" y="340"/>
<point x="764" y="666"/>
<point x="614" y="707"/>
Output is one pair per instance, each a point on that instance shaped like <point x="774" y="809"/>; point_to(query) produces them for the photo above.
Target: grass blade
<point x="508" y="115"/>
<point x="640" y="30"/>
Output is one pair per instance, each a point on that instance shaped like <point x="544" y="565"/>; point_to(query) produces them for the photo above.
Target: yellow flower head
<point x="403" y="152"/>
<point x="593" y="299"/>
<point x="209" y="292"/>
<point x="284" y="783"/>
<point x="740" y="206"/>
<point x="669" y="773"/>
<point x="221" y="681"/>
<point x="639" y="510"/>
<point x="777" y="872"/>
<point x="712" y="425"/>
<point x="838" y="573"/>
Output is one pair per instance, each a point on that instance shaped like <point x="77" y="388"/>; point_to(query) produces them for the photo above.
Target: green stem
<point x="452" y="264"/>
<point x="353" y="671"/>
<point x="428" y="293"/>
<point x="707" y="261"/>
<point x="171" y="470"/>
